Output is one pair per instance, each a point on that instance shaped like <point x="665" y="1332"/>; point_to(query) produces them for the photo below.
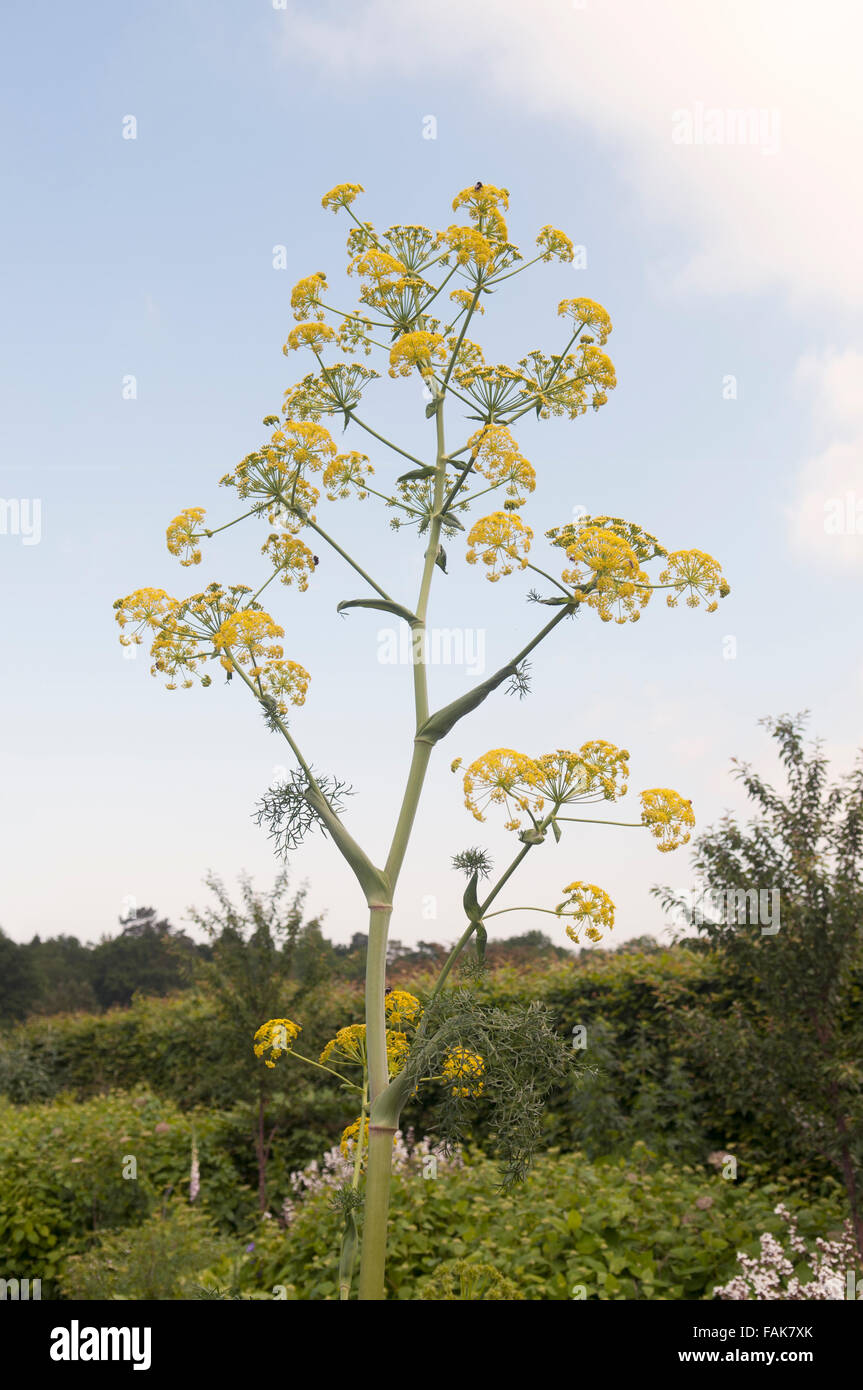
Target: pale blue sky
<point x="153" y="257"/>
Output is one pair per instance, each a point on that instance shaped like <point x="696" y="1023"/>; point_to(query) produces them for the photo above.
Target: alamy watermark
<point x="21" y="516"/>
<point x="16" y="1289"/>
<point x="730" y="907"/>
<point x="436" y="646"/>
<point x="756" y="126"/>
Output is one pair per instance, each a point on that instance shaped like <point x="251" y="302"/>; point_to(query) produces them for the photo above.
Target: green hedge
<point x="642" y="1079"/>
<point x="629" y="1227"/>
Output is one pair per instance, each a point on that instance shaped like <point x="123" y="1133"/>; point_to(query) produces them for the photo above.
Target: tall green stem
<point x="386" y="1101"/>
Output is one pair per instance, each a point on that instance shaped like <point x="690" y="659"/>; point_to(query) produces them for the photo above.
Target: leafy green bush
<point x="628" y="1227"/>
<point x="162" y="1258"/>
<point x="62" y="1169"/>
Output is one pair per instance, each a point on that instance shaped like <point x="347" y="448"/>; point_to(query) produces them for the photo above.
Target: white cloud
<point x="770" y="189"/>
<point x="826" y="517"/>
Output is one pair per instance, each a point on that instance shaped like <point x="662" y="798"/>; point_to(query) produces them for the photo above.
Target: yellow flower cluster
<point x="606" y="565"/>
<point x="341" y="196"/>
<point x="184" y="533"/>
<point x="586" y="313"/>
<point x="305" y="444"/>
<point x="668" y="815"/>
<point x="554" y="243"/>
<point x="483" y="203"/>
<point x="306" y="294"/>
<point x="309" y="335"/>
<point x="418" y="350"/>
<point x="501" y="541"/>
<point x="182" y="631"/>
<point x="697" y="575"/>
<point x="334" y="391"/>
<point x="463" y="1071"/>
<point x="145" y="608"/>
<point x="398" y="1048"/>
<point x="465" y="299"/>
<point x="291" y="558"/>
<point x="276" y="471"/>
<point x="402" y="1009"/>
<point x="469" y="357"/>
<point x="346" y="472"/>
<point x="586" y="903"/>
<point x="248" y="639"/>
<point x="352" y="1134"/>
<point x="496" y="456"/>
<point x="379" y="267"/>
<point x="597" y="772"/>
<point x="469" y="245"/>
<point x="276" y="1037"/>
<point x="355" y="333"/>
<point x="645" y="546"/>
<point x="348" y="1047"/>
<point x="524" y="786"/>
<point x="567" y="385"/>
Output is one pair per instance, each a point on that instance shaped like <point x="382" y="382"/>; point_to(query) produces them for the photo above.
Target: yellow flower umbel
<point x="586" y="904"/>
<point x="645" y="546"/>
<point x="383" y="273"/>
<point x="341" y="196"/>
<point x="554" y="243"/>
<point x="418" y="350"/>
<point x="144" y="609"/>
<point x="531" y="786"/>
<point x="347" y="473"/>
<point x="465" y="299"/>
<point x="668" y="815"/>
<point x="348" y="1048"/>
<point x="398" y="1048"/>
<point x="181" y="631"/>
<point x="501" y="541"/>
<point x="305" y="445"/>
<point x="352" y="1133"/>
<point x="309" y="335"/>
<point x="597" y="772"/>
<point x="495" y="455"/>
<point x="586" y="313"/>
<point x="276" y="1037"/>
<point x="306" y="294"/>
<point x="463" y="1071"/>
<point x="184" y="533"/>
<point x="502" y="777"/>
<point x="697" y="575"/>
<point x="483" y="204"/>
<point x="402" y="1009"/>
<point x="469" y="245"/>
<point x="606" y="574"/>
<point x="246" y="640"/>
<point x="291" y="559"/>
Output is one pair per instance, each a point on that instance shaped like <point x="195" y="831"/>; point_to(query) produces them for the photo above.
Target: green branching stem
<point x="395" y="447"/>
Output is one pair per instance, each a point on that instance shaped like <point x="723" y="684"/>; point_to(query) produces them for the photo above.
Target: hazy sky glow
<point x="705" y="155"/>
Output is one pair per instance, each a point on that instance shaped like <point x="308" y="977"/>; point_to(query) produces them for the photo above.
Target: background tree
<point x="254" y="945"/>
<point x="790" y="1048"/>
<point x="18" y="980"/>
<point x="149" y="955"/>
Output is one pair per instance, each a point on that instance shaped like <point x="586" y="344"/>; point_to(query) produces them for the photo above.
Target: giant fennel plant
<point x="421" y="292"/>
